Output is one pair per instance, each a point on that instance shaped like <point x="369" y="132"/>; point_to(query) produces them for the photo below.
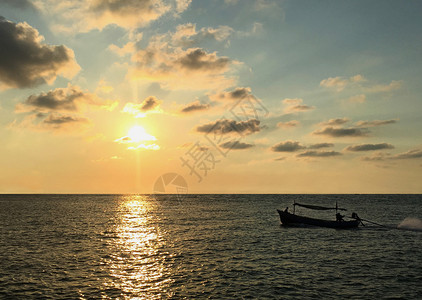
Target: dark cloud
<point x="236" y="145"/>
<point x="26" y="62"/>
<point x="375" y="123"/>
<point x="149" y="103"/>
<point x="230" y="126"/>
<point x="342" y="132"/>
<point x="369" y="147"/>
<point x="195" y="106"/>
<point x="198" y="59"/>
<point x="59" y="120"/>
<point x="312" y="153"/>
<point x="238" y="93"/>
<point x="415" y="153"/>
<point x="177" y="68"/>
<point x="287" y="146"/>
<point x="69" y="99"/>
<point x="320" y="145"/>
<point x="301" y="107"/>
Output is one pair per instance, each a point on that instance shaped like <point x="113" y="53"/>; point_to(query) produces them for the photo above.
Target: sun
<point x="138" y="134"/>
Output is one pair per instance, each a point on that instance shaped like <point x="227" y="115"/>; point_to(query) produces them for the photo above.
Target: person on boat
<point x="287" y="209"/>
<point x="339" y="217"/>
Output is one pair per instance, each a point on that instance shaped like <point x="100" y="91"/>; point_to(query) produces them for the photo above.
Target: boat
<point x="291" y="219"/>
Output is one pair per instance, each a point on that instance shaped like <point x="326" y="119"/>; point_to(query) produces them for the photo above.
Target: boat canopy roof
<point x="317" y="207"/>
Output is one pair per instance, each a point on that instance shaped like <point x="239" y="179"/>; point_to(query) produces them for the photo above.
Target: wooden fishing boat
<point x="291" y="219"/>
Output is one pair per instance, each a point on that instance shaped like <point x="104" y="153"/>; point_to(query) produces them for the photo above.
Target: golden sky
<point x="254" y="96"/>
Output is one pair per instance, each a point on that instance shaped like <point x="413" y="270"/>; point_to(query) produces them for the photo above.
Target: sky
<point x="251" y="96"/>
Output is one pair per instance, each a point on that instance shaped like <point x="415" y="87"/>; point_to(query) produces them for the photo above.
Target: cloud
<point x="295" y="105"/>
<point x="288" y="124"/>
<point x="375" y="123"/>
<point x="195" y="106"/>
<point x="54" y="122"/>
<point x="335" y="122"/>
<point x="199" y="60"/>
<point x="150" y="105"/>
<point x="86" y="15"/>
<point x="60" y="109"/>
<point x="320" y="145"/>
<point x="411" y="154"/>
<point x="369" y="147"/>
<point x="234" y="95"/>
<point x="225" y="126"/>
<point x="342" y="132"/>
<point x="340" y="83"/>
<point x="58" y="120"/>
<point x="378" y="156"/>
<point x="69" y="99"/>
<point x="312" y="153"/>
<point x="186" y="35"/>
<point x="257" y="29"/>
<point x="171" y="60"/>
<point x="381" y="88"/>
<point x="236" y="145"/>
<point x="176" y="68"/>
<point x="25" y="61"/>
<point x="287" y="146"/>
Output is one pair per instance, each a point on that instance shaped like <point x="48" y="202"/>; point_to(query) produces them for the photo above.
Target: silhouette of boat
<point x="291" y="219"/>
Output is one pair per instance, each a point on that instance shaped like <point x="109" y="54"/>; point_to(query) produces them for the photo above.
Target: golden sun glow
<point x="138" y="134"/>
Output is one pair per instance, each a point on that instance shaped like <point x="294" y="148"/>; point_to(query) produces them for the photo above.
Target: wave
<point x="411" y="224"/>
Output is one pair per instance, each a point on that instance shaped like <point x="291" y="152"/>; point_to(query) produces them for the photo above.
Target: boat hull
<point x="288" y="219"/>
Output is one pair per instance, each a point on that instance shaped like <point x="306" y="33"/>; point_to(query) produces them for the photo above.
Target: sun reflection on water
<point x="138" y="256"/>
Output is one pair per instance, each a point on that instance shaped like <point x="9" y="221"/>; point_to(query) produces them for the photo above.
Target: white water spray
<point x="411" y="224"/>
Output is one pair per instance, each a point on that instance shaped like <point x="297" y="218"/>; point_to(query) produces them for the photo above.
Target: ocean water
<point x="206" y="246"/>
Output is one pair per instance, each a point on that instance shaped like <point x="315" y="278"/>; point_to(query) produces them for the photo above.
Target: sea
<point x="207" y="247"/>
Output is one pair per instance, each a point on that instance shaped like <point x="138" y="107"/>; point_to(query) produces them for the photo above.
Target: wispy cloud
<point x="335" y="122"/>
<point x="375" y="123"/>
<point x="342" y="132"/>
<point x="230" y="126"/>
<point x="313" y="153"/>
<point x="320" y="145"/>
<point x="369" y="147"/>
<point x="236" y="145"/>
<point x="295" y="105"/>
<point x="195" y="106"/>
<point x="288" y="124"/>
<point x="287" y="146"/>
<point x="411" y="154"/>
<point x="86" y="15"/>
<point x="339" y="83"/>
